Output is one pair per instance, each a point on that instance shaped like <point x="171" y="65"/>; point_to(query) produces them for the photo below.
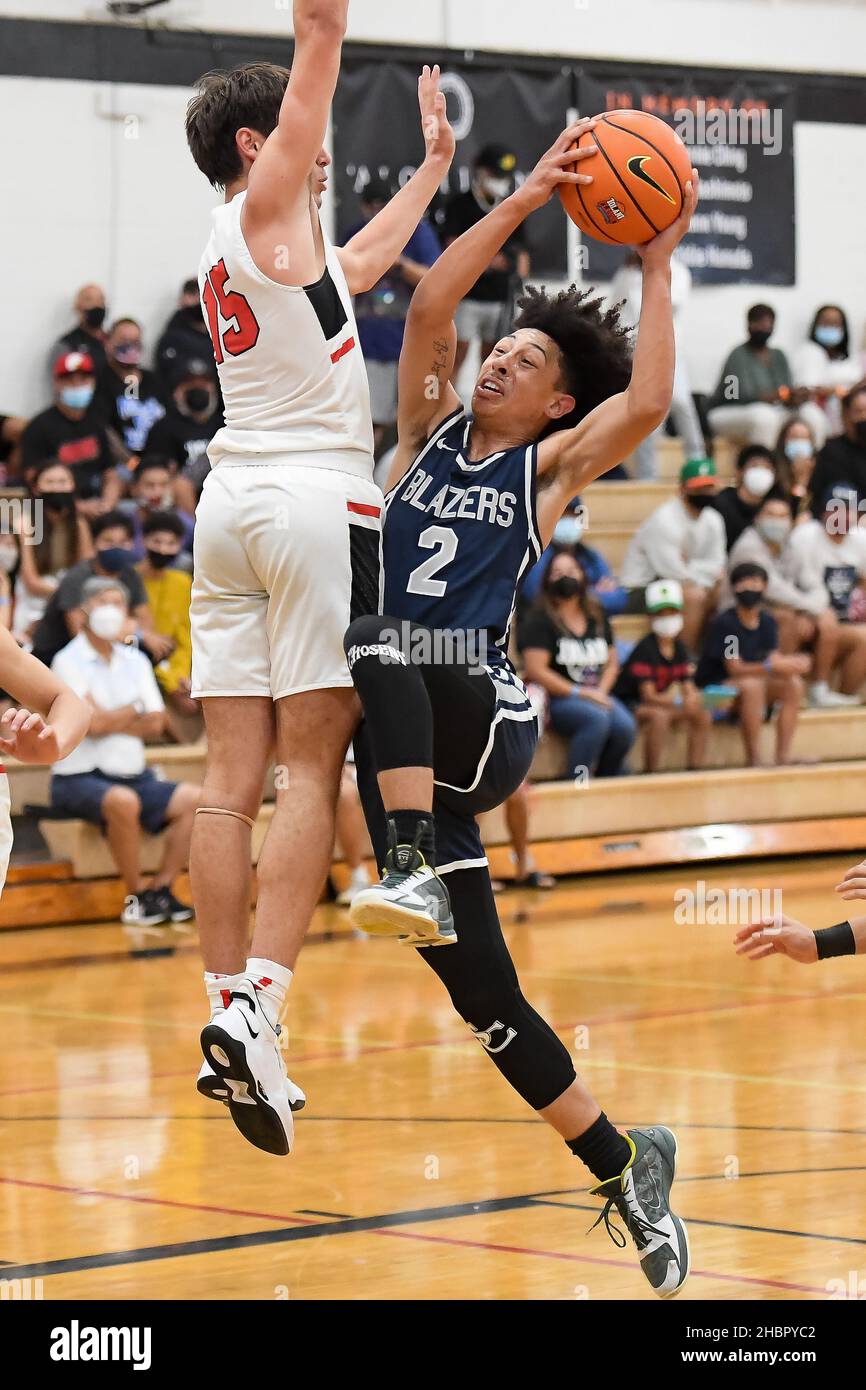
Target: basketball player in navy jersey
<point x="449" y="731"/>
<point x="287" y="541"/>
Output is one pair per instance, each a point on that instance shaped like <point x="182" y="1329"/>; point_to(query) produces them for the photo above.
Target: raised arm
<point x="374" y="249"/>
<point x="572" y="458"/>
<point x="425" y="393"/>
<point x="278" y="179"/>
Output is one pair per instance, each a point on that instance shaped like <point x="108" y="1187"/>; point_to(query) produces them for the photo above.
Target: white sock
<point x="271" y="982"/>
<point x="218" y="989"/>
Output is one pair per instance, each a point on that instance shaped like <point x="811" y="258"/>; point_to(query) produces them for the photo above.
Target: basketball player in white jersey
<point x="287" y="541"/>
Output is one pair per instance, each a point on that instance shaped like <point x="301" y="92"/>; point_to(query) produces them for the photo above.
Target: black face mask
<point x="860" y="432"/>
<point x="94" y="318"/>
<point x="700" y="499"/>
<point x="748" y="598"/>
<point x="58" y="501"/>
<point x="197" y="399"/>
<point x="192" y="313"/>
<point x="159" y="560"/>
<point x="567" y="587"/>
<point x="759" y="337"/>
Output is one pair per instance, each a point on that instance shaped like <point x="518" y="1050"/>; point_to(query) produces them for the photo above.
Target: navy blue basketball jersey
<point x="459" y="536"/>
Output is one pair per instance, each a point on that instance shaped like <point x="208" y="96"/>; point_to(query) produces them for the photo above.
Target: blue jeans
<point x="601" y="735"/>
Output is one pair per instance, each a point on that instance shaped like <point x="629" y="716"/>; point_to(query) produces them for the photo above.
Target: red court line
<point x="159" y="1201"/>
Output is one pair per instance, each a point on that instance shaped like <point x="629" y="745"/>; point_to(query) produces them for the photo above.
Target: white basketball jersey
<point x="289" y="361"/>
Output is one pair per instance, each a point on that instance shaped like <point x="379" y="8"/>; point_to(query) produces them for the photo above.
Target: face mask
<point x="568" y="531"/>
<point x="192" y="312"/>
<point x="113" y="559"/>
<point x="566" y="587"/>
<point x="758" y="480"/>
<point x="105" y="621"/>
<point x="860" y="432"/>
<point x="700" y="499"/>
<point x="76" y="397"/>
<point x="8" y="558"/>
<point x="668" y="627"/>
<point x="798" y="449"/>
<point x="159" y="560"/>
<point x="497" y="188"/>
<point x="759" y="338"/>
<point x="829" y="335"/>
<point x="58" y="501"/>
<point x="94" y="318"/>
<point x="774" y="530"/>
<point x="198" y="399"/>
<point x="129" y="354"/>
<point x="748" y="598"/>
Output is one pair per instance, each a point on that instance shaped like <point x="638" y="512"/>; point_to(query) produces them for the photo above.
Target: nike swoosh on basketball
<point x="635" y="166"/>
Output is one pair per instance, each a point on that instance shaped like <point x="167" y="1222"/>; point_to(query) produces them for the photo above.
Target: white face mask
<point x="497" y="188"/>
<point x="105" y="621"/>
<point x="774" y="529"/>
<point x="670" y="626"/>
<point x="8" y="558"/>
<point x="758" y="480"/>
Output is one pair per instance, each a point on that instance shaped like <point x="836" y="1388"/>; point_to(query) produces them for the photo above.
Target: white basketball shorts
<point x="285" y="556"/>
<point x="5" y="828"/>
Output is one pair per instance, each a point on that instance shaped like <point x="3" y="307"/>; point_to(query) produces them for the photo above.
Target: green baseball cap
<point x="663" y="593"/>
<point x="696" y="472"/>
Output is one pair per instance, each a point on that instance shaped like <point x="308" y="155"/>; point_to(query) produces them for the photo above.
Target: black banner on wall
<point x="377" y="132"/>
<point x="741" y="137"/>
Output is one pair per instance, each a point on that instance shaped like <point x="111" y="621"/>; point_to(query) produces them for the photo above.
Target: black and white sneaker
<point x="143" y="909"/>
<point x="242" y="1048"/>
<point x="410" y="901"/>
<point x="640" y="1195"/>
<point x="174" y="908"/>
<point x="214" y="1087"/>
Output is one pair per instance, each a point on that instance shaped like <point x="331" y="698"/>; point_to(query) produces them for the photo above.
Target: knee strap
<point x="221" y="811"/>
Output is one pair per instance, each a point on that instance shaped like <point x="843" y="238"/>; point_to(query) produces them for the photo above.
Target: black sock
<point x="602" y="1148"/>
<point x="406" y="825"/>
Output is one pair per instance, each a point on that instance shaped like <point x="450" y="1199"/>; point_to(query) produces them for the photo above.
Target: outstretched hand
<point x="782" y="936"/>
<point x="659" y="249"/>
<point x="853" y="883"/>
<point x="554" y="168"/>
<point x="439" y="138"/>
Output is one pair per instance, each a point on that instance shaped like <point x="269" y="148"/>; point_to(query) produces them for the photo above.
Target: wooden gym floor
<point x="417" y="1173"/>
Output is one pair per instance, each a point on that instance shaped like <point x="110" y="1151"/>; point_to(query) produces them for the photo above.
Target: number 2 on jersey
<point x="444" y="542"/>
<point x="228" y="304"/>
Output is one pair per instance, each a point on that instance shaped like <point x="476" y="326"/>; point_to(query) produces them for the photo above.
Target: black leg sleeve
<point x="393" y="693"/>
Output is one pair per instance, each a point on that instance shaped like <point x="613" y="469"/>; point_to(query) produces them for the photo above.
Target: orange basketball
<point x="639" y="179"/>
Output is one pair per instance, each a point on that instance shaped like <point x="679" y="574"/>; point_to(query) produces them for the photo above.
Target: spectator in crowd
<point x="797" y="595"/>
<point x="526" y="874"/>
<point x="152" y="490"/>
<point x="569" y="535"/>
<point x="795" y="462"/>
<point x="193" y="416"/>
<point x="9" y="563"/>
<point x="106" y="780"/>
<point x="169" y="592"/>
<point x="742" y="650"/>
<point x="833" y="550"/>
<point x="127" y="393"/>
<point x="843" y="460"/>
<point x="184" y="337"/>
<point x="755" y="391"/>
<point x="484" y="313"/>
<point x="381" y="312"/>
<point x="626" y="288"/>
<point x="112" y="559"/>
<point x="568" y="649"/>
<point x="657" y="681"/>
<point x="11" y="429"/>
<point x="351" y="835"/>
<point x="683" y="539"/>
<point x="61" y="539"/>
<point x="824" y="366"/>
<point x="738" y="504"/>
<point x="87" y="335"/>
<point x="73" y="432"/>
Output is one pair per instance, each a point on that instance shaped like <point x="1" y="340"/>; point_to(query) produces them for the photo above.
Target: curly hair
<point x="595" y="349"/>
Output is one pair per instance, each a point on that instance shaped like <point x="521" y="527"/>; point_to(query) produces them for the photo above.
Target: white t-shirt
<point x="127" y="679"/>
<point x="289" y="360"/>
<point x="813" y="367"/>
<point x="839" y="565"/>
<point x="673" y="544"/>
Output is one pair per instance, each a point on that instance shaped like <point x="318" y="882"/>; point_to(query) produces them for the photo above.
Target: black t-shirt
<point x="462" y="213"/>
<point x="81" y="444"/>
<point x="132" y="413"/>
<point x="735" y="513"/>
<point x="182" y="438"/>
<point x="578" y="659"/>
<point x="646" y="662"/>
<point x="840" y="461"/>
<point x="79" y="340"/>
<point x="51" y="633"/>
<point x="729" y="639"/>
